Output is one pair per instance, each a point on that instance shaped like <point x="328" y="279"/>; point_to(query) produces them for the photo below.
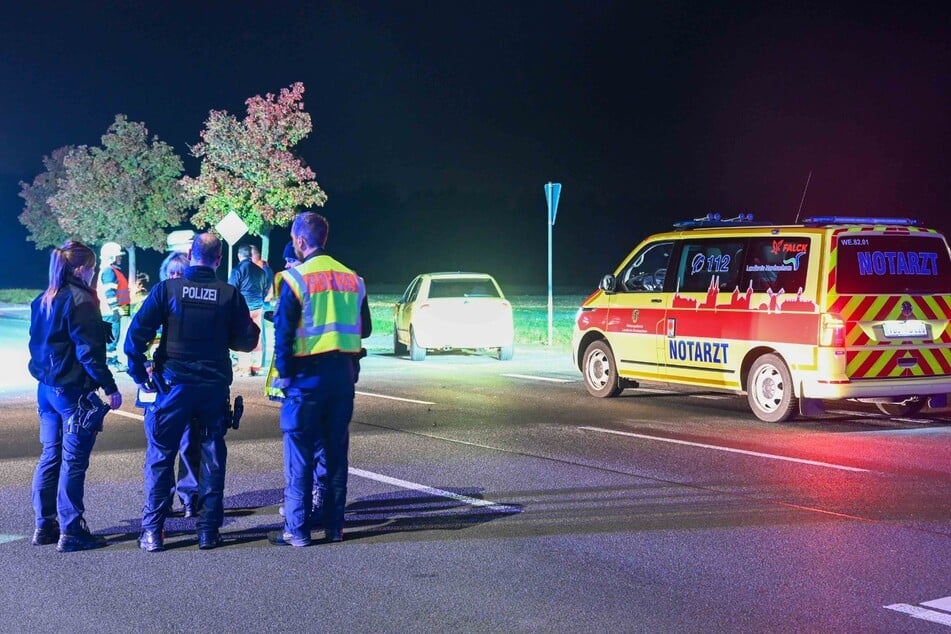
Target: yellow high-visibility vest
<point x="330" y="296"/>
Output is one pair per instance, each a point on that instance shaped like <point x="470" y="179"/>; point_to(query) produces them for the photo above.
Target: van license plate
<point x="904" y="329"/>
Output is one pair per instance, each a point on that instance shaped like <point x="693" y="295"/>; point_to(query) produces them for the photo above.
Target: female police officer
<point x="68" y="358"/>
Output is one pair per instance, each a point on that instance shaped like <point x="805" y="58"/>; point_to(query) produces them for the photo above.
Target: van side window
<point x="711" y="261"/>
<point x="776" y="264"/>
<point x="647" y="270"/>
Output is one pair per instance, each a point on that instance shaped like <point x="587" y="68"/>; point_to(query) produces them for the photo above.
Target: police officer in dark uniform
<point x="201" y="319"/>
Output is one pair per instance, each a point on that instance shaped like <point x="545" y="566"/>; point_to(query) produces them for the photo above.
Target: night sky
<point x="436" y="124"/>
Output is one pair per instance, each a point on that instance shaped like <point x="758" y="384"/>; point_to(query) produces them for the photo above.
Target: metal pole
<point x="550" y="302"/>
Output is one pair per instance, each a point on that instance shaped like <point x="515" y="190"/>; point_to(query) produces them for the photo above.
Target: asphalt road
<point x="490" y="496"/>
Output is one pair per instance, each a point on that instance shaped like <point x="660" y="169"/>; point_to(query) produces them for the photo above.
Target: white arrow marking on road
<point x="396" y="398"/>
<point x="539" y="378"/>
<point x="729" y="449"/>
<point x="465" y="499"/>
<point x="921" y="613"/>
<point x="941" y="604"/>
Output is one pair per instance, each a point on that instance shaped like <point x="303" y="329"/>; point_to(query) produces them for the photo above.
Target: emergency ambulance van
<point x="791" y="315"/>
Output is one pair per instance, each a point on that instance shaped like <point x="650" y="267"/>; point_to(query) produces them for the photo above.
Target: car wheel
<point x="416" y="353"/>
<point x="398" y="347"/>
<point x="769" y="390"/>
<point x="600" y="372"/>
<point x="909" y="407"/>
<point x="506" y="352"/>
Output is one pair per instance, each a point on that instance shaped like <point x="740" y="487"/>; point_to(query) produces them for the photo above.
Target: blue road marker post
<point x="552" y="194"/>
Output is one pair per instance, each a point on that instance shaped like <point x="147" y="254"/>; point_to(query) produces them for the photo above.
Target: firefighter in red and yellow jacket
<point x="322" y="315"/>
<point x="114" y="301"/>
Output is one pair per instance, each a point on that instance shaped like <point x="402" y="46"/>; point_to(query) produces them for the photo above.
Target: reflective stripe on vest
<point x="330" y="295"/>
<point x="122" y="288"/>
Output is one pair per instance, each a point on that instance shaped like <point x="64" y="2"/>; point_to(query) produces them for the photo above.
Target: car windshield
<point x="462" y="287"/>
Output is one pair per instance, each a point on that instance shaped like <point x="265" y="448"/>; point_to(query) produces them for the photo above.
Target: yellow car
<point x="446" y="311"/>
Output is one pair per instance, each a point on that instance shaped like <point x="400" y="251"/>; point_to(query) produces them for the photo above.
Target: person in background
<point x="267" y="330"/>
<point x="68" y="359"/>
<point x="321" y="316"/>
<point x="251" y="282"/>
<point x="115" y="301"/>
<point x="201" y="318"/>
<point x="189" y="453"/>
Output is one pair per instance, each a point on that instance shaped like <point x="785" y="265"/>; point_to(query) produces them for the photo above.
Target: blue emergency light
<point x="714" y="219"/>
<point x="856" y="220"/>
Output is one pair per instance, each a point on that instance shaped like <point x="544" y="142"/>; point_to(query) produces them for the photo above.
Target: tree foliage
<point x="127" y="191"/>
<point x="248" y="166"/>
<point x="38" y="216"/>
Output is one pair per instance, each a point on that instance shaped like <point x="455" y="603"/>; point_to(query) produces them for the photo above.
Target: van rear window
<point x="893" y="264"/>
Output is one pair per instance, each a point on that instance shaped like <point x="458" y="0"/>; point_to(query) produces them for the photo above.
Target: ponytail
<point x="64" y="261"/>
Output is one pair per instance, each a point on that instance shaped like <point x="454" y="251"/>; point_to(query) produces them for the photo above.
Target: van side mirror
<point x="608" y="284"/>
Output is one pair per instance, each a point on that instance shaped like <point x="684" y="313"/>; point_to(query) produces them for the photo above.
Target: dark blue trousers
<point x="60" y="476"/>
<point x="166" y="421"/>
<point x="316" y="415"/>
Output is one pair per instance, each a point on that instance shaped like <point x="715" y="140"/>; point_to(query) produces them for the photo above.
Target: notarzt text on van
<point x="897" y="263"/>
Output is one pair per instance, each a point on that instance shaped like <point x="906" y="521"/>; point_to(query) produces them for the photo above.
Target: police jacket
<point x="68" y="346"/>
<point x="297" y="325"/>
<point x="251" y="280"/>
<point x="201" y="318"/>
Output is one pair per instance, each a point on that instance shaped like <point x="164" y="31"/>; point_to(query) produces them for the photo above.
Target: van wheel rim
<point x="769" y="388"/>
<point x="598" y="369"/>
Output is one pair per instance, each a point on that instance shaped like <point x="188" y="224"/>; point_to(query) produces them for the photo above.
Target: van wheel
<point x="906" y="408"/>
<point x="600" y="372"/>
<point x="416" y="353"/>
<point x="507" y="352"/>
<point x="769" y="390"/>
<point x="398" y="347"/>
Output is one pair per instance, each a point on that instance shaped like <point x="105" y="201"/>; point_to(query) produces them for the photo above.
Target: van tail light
<point x="831" y="331"/>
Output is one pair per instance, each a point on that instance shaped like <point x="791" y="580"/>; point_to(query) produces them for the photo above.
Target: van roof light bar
<point x="714" y="219"/>
<point x="858" y="220"/>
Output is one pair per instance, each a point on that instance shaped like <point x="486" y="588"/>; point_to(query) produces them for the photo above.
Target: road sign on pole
<point x="552" y="194"/>
<point x="232" y="229"/>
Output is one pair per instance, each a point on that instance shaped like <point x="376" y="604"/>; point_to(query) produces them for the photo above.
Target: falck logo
<point x="795" y="249"/>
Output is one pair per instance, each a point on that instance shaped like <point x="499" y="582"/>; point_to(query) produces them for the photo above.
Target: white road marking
<point x="465" y="499"/>
<point x="10" y="538"/>
<point x="845" y="412"/>
<point x="119" y="412"/>
<point x="652" y="390"/>
<point x="539" y="378"/>
<point x="729" y="449"/>
<point x="942" y="618"/>
<point x="941" y="604"/>
<point x="396" y="398"/>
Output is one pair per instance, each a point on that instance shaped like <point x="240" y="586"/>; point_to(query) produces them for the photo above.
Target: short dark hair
<point x="206" y="249"/>
<point x="313" y="227"/>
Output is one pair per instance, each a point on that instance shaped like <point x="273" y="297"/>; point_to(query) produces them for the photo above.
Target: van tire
<point x="600" y="371"/>
<point x="769" y="390"/>
<point x="506" y="352"/>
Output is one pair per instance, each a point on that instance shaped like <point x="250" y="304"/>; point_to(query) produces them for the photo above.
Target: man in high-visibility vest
<point x="321" y="316"/>
<point x="114" y="301"/>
